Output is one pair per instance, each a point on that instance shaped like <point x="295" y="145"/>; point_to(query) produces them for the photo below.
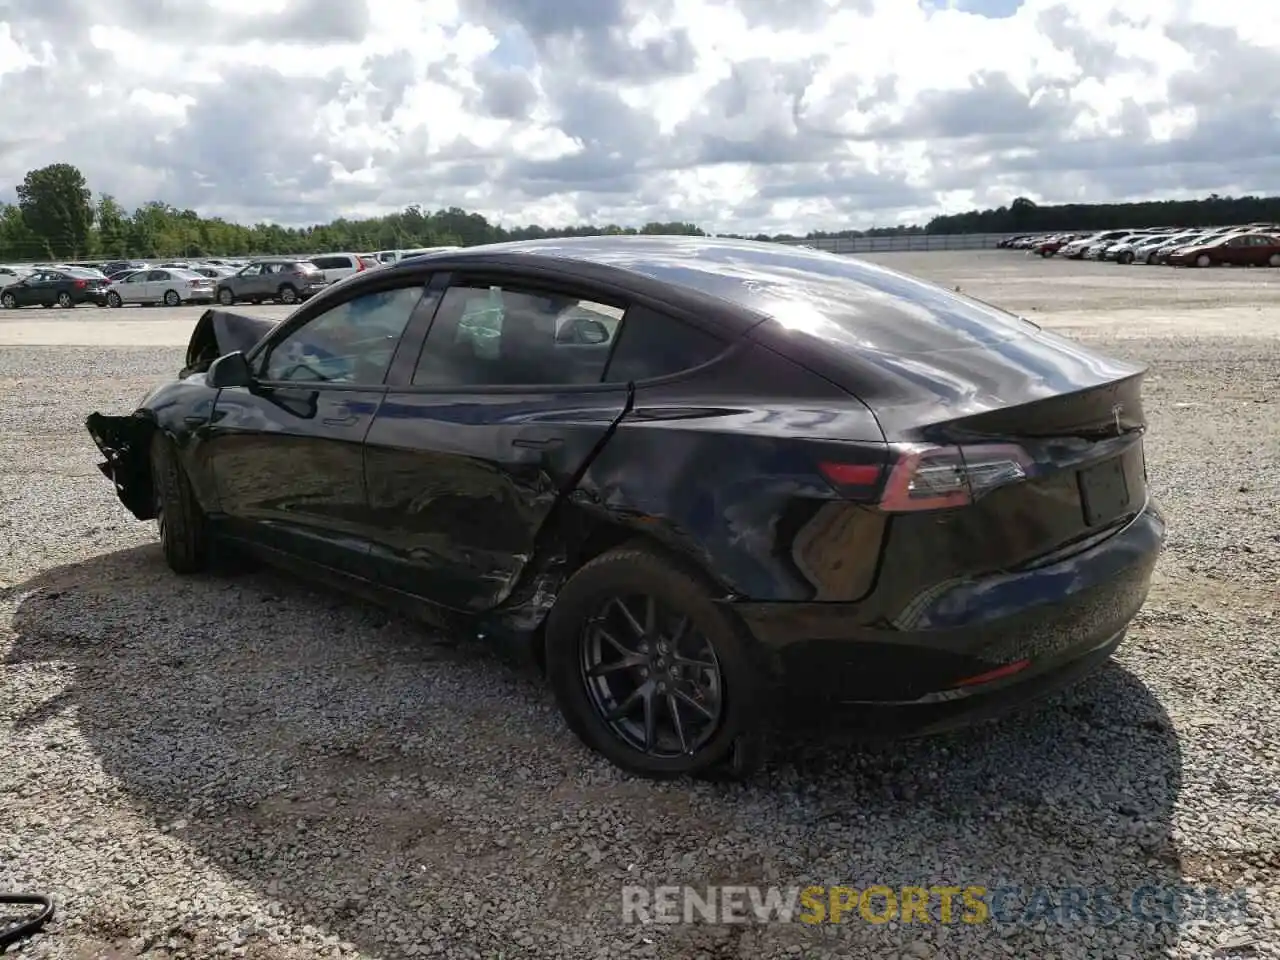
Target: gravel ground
<point x="245" y="766"/>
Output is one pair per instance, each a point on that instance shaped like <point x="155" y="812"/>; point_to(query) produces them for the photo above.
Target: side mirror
<point x="231" y="370"/>
<point x="584" y="330"/>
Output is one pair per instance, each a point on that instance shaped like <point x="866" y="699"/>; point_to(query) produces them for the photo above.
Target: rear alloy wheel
<point x="1203" y="260"/>
<point x="650" y="672"/>
<point x="171" y="298"/>
<point x="225" y="297"/>
<point x="64" y="299"/>
<point x="179" y="519"/>
<point x="9" y="301"/>
<point x="288" y="294"/>
<point x="113" y="300"/>
<point x="1125" y="256"/>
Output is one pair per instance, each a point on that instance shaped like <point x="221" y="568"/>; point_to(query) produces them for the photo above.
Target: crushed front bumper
<point x="125" y="442"/>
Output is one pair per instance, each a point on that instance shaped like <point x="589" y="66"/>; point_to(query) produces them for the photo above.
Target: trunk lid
<point x="1046" y="433"/>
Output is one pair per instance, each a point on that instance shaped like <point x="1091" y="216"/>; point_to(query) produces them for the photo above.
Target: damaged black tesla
<point x="694" y="479"/>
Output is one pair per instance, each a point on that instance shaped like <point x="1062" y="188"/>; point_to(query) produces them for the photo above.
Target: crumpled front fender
<point x="125" y="442"/>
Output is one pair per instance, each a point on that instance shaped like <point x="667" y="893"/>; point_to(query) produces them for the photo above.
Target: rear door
<point x="288" y="454"/>
<point x="484" y="431"/>
<point x="157" y="282"/>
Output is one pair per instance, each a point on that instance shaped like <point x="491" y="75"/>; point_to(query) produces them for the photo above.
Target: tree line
<point x="57" y="218"/>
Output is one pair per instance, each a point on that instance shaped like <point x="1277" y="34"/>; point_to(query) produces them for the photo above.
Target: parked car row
<point x="1244" y="245"/>
<point x="115" y="283"/>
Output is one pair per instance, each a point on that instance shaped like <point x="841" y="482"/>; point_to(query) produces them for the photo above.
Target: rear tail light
<point x="925" y="477"/>
<point x="359" y="264"/>
<point x="936" y="478"/>
<point x="80" y="284"/>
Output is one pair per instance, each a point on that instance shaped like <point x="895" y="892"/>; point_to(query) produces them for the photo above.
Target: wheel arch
<point x="577" y="536"/>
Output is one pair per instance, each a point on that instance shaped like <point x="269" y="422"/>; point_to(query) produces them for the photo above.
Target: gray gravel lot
<point x="245" y="766"/>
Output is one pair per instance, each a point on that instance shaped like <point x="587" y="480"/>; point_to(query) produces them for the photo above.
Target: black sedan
<point x="62" y="287"/>
<point x="691" y="478"/>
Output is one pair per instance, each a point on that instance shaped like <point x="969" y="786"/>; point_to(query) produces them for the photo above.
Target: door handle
<point x="530" y="444"/>
<point x="349" y="420"/>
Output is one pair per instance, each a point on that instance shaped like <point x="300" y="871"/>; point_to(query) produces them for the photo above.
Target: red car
<point x="1238" y="250"/>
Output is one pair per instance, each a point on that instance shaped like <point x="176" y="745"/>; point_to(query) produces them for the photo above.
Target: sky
<point x="739" y="115"/>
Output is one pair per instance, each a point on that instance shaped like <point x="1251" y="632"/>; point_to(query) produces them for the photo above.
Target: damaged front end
<point x="125" y="441"/>
<point x="126" y="444"/>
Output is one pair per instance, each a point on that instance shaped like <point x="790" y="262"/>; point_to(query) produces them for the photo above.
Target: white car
<point x="168" y="286"/>
<point x="395" y="256"/>
<point x="10" y="274"/>
<point x="1144" y="252"/>
<point x="339" y="266"/>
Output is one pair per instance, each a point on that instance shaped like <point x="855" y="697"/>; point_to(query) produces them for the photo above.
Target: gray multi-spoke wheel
<point x="652" y="673"/>
<point x="652" y="677"/>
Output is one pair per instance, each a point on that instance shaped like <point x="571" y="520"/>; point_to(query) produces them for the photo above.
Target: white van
<point x="395" y="256"/>
<point x="338" y="266"/>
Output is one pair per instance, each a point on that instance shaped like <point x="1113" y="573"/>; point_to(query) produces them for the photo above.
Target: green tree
<point x="113" y="227"/>
<point x="17" y="242"/>
<point x="57" y="207"/>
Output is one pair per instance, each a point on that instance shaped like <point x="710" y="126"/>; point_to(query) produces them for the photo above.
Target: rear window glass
<point x="844" y="301"/>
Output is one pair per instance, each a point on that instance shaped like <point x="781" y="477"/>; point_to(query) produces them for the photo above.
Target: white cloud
<point x="742" y="115"/>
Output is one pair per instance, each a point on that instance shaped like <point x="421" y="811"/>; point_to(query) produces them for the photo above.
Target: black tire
<point x="172" y="299"/>
<point x="182" y="524"/>
<point x="1125" y="257"/>
<point x="64" y="300"/>
<point x="226" y="297"/>
<point x="287" y="294"/>
<point x="113" y="300"/>
<point x="9" y="301"/>
<point x="730" y="746"/>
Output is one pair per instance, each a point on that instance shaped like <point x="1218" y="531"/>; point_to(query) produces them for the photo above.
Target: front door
<point x="42" y="289"/>
<point x="288" y="453"/>
<point x="468" y="456"/>
<point x="134" y="288"/>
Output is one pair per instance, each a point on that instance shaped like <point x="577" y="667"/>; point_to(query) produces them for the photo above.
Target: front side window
<point x="352" y="342"/>
<point x="252" y="270"/>
<point x="502" y="336"/>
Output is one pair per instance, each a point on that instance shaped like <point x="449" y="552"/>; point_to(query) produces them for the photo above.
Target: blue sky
<point x="994" y="9"/>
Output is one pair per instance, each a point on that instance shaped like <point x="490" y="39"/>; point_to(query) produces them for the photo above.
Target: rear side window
<point x="332" y="262"/>
<point x="653" y="344"/>
<point x="506" y="336"/>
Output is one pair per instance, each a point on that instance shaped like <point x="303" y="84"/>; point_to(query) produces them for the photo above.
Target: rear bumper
<point x="1042" y="620"/>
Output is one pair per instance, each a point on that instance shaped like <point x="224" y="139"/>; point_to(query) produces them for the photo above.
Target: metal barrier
<point x="906" y="242"/>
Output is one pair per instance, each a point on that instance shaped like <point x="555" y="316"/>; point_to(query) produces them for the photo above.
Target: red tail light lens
<point x="843" y="476"/>
<point x="80" y="284"/>
<point x="359" y="264"/>
<point x="938" y="478"/>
